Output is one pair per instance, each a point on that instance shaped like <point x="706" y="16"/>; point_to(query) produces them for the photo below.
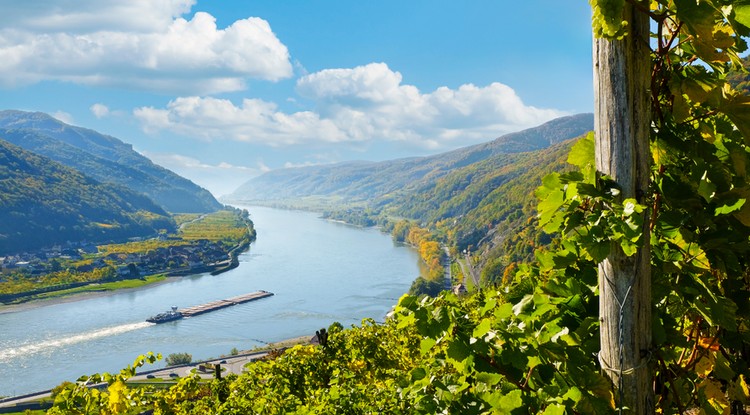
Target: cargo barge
<point x="176" y="314"/>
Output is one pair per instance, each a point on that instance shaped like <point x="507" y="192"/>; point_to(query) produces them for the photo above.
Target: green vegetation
<point x="43" y="203"/>
<point x="176" y="359"/>
<point x="201" y="244"/>
<point x="533" y="345"/>
<point x="430" y="252"/>
<point x="363" y="185"/>
<point x="741" y="79"/>
<point x="105" y="159"/>
<point x="102" y="287"/>
<point x="229" y="226"/>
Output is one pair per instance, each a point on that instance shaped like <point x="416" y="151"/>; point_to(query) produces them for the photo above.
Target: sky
<point x="222" y="91"/>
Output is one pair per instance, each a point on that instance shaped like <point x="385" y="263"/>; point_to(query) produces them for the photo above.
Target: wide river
<point x="319" y="271"/>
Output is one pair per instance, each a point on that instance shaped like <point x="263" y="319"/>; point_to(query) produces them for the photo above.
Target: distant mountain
<point x="369" y="181"/>
<point x="43" y="203"/>
<point x="479" y="198"/>
<point x="105" y="159"/>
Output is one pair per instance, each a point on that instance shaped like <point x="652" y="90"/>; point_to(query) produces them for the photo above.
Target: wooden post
<point x="622" y="124"/>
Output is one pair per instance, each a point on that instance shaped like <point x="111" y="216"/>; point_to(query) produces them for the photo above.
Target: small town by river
<point x="320" y="272"/>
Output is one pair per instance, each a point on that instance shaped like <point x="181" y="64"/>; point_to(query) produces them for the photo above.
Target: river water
<point x="319" y="271"/>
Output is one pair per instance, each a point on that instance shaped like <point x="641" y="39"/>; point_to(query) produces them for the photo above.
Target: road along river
<point x="319" y="271"/>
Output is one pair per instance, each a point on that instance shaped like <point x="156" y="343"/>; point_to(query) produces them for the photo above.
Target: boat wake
<point x="45" y="345"/>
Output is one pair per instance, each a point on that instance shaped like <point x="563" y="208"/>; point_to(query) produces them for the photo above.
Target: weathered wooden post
<point x="622" y="124"/>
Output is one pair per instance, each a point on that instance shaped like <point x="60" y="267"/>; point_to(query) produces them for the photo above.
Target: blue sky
<point x="221" y="91"/>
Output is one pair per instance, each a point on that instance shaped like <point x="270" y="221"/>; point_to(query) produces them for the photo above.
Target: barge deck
<point x="214" y="305"/>
<point x="219" y="304"/>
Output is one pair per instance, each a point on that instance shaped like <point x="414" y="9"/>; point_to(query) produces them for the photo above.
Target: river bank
<point x="81" y="290"/>
<point x="80" y="296"/>
<point x="320" y="273"/>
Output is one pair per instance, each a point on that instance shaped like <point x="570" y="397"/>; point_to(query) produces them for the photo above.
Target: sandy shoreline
<point x="30" y="305"/>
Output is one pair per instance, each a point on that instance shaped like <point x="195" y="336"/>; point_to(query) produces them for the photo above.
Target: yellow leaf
<point x="714" y="396"/>
<point x="723" y="37"/>
<point x="711" y="343"/>
<point x="705" y="365"/>
<point x="118" y="397"/>
<point x="739" y="390"/>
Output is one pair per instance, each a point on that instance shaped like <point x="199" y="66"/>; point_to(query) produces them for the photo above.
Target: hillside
<point x="476" y="198"/>
<point x="741" y="80"/>
<point x="105" y="159"/>
<point x="43" y="203"/>
<point x="367" y="181"/>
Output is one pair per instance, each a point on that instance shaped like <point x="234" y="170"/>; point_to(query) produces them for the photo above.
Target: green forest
<point x="43" y="203"/>
<point x="105" y="159"/>
<point x="534" y="343"/>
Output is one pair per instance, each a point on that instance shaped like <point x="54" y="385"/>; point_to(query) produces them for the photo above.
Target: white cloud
<point x="84" y="16"/>
<point x="99" y="110"/>
<point x="63" y="116"/>
<point x="254" y="121"/>
<point x="138" y="44"/>
<point x="363" y="104"/>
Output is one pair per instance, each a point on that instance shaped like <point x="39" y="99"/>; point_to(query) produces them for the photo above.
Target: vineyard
<point x="201" y="238"/>
<point x="639" y="302"/>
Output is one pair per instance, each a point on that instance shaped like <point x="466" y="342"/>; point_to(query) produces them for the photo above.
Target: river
<point x="320" y="272"/>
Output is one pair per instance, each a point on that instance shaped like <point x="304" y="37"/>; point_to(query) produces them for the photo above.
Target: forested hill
<point x="741" y="80"/>
<point x="367" y="181"/>
<point x="105" y="159"/>
<point x="43" y="203"/>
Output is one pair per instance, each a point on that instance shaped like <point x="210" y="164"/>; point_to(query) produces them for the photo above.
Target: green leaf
<point x="737" y="108"/>
<point x="706" y="189"/>
<point x="488" y="305"/>
<point x="574" y="394"/>
<point x="482" y="328"/>
<point x="426" y="344"/>
<point x="723" y="369"/>
<point x="658" y="331"/>
<point x="505" y="403"/>
<point x="521" y="305"/>
<point x="551" y="198"/>
<point x="457" y="353"/>
<point x="515" y="358"/>
<point x="489" y="378"/>
<point x="504" y="311"/>
<point x="628" y="248"/>
<point x="554" y="409"/>
<point x="723" y="210"/>
<point x="742" y="13"/>
<point x="418" y="373"/>
<point x="582" y="153"/>
<point x="599" y="251"/>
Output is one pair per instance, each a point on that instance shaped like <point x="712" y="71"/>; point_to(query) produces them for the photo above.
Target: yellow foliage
<point x="715" y="397"/>
<point x="118" y="402"/>
<point x="705" y="365"/>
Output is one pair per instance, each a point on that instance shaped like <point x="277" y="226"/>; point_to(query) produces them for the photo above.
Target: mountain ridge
<point x="104" y="158"/>
<point x="365" y="181"/>
<point x="43" y="202"/>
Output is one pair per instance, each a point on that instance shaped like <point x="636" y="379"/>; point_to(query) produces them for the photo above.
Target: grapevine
<point x="607" y="18"/>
